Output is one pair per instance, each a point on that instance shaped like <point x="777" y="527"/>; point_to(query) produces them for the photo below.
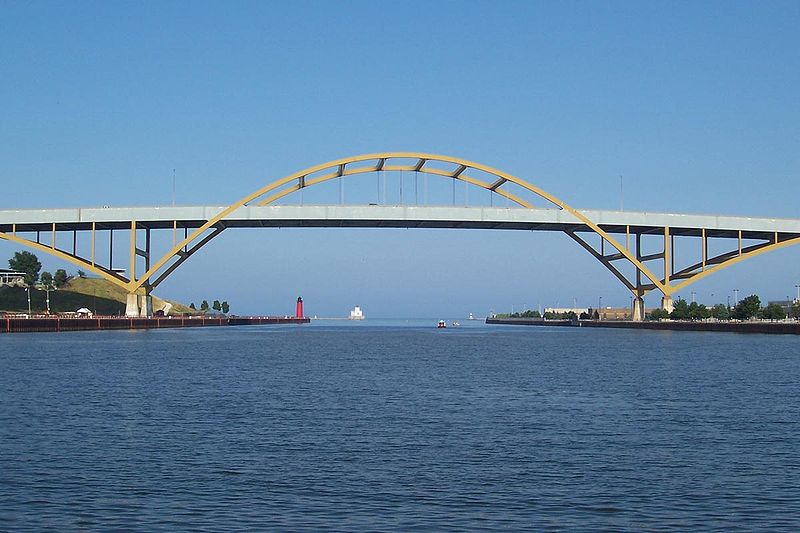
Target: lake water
<point x="399" y="426"/>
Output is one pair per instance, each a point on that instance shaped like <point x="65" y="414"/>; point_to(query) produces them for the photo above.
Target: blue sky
<point x="694" y="104"/>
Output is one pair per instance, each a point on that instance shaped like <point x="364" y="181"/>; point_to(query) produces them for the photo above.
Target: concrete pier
<point x="132" y="306"/>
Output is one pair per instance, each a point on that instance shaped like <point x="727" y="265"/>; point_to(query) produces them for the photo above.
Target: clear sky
<point x="695" y="104"/>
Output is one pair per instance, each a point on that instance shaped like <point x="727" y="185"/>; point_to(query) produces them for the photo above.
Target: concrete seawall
<point x="55" y="324"/>
<point x="786" y="328"/>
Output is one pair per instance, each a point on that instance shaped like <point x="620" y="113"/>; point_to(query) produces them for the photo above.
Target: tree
<point x="747" y="308"/>
<point x="28" y="264"/>
<point x="721" y="312"/>
<point x="204" y="306"/>
<point x="192" y="307"/>
<point x="659" y="314"/>
<point x="60" y="279"/>
<point x="81" y="274"/>
<point x="796" y="309"/>
<point x="217" y="306"/>
<point x="680" y="310"/>
<point x="698" y="311"/>
<point x="225" y="307"/>
<point x="47" y="279"/>
<point x="774" y="312"/>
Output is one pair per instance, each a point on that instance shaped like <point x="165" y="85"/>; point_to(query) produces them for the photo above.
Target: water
<point x="399" y="426"/>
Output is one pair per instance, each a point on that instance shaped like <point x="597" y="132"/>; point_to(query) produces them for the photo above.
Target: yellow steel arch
<point x="342" y="168"/>
<point x="734" y="260"/>
<point x="77" y="261"/>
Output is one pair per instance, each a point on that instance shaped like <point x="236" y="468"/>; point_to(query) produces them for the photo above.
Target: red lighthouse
<point x="299" y="309"/>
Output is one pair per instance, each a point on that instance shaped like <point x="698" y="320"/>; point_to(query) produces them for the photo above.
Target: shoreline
<point x="58" y="324"/>
<point x="774" y="328"/>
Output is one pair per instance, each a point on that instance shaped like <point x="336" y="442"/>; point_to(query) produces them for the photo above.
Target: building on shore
<point x="613" y="313"/>
<point x="11" y="277"/>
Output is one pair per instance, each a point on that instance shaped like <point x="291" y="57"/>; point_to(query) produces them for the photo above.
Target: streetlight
<point x="798" y="292"/>
<point x="47" y="290"/>
<point x="735" y="296"/>
<point x="693" y="296"/>
<point x="29" y="300"/>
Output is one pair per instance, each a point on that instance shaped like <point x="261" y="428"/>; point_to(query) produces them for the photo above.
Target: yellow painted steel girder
<point x="343" y="167"/>
<point x="77" y="261"/>
<point x="339" y="168"/>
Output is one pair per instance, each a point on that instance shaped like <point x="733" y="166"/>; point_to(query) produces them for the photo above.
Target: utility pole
<point x="735" y="296"/>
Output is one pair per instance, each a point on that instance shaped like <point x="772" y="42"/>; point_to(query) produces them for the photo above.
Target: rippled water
<point x="399" y="427"/>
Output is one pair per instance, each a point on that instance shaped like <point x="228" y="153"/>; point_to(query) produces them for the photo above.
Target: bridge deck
<point x="26" y="220"/>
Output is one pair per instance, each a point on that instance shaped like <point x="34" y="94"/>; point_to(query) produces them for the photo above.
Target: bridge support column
<point x="666" y="304"/>
<point x="132" y="306"/>
<point x="637" y="313"/>
<point x="146" y="309"/>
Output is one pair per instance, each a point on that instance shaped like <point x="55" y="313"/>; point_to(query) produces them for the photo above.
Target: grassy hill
<point x="96" y="294"/>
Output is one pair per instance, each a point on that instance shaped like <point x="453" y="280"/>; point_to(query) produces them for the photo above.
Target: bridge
<point x="615" y="238"/>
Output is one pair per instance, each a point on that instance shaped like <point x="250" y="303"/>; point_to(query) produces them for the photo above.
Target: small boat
<point x="455" y="324"/>
<point x="442" y="324"/>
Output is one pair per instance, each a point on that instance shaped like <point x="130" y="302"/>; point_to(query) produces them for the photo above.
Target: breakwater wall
<point x="786" y="328"/>
<point x="11" y="324"/>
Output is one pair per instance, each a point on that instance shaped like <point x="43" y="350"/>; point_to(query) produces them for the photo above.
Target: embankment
<point x="786" y="328"/>
<point x="11" y="324"/>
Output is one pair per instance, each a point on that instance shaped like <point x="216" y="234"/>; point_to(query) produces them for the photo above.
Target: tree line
<point x="746" y="309"/>
<point x="30" y="266"/>
<point x="216" y="306"/>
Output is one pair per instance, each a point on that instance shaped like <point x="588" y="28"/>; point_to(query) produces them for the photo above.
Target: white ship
<point x="356" y="314"/>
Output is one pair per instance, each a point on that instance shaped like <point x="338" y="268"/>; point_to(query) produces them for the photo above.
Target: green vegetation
<point x="47" y="279"/>
<point x="525" y="314"/>
<point x="225" y="307"/>
<point x="28" y="264"/>
<point x="747" y="308"/>
<point x="773" y="312"/>
<point x="659" y="314"/>
<point x="66" y="294"/>
<point x="15" y="299"/>
<point x="70" y="294"/>
<point x="60" y="278"/>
